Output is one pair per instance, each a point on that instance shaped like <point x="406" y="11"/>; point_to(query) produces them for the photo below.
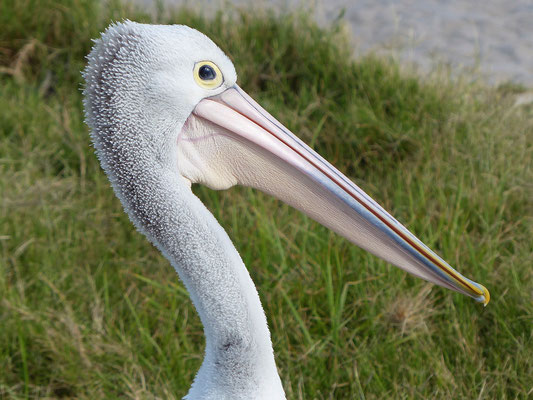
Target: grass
<point x="89" y="309"/>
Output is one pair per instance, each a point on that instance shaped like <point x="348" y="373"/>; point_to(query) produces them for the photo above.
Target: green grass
<point x="89" y="309"/>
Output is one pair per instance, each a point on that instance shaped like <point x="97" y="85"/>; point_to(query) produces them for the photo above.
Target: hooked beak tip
<point x="486" y="296"/>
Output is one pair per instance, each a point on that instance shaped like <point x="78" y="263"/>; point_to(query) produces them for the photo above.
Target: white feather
<point x="139" y="92"/>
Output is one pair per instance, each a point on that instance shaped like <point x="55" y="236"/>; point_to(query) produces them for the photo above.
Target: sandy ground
<point x="492" y="37"/>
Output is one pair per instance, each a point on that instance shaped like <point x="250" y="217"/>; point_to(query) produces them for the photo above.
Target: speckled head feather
<point x="140" y="88"/>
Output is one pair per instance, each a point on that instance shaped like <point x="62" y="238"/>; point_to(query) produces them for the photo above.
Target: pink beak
<point x="237" y="142"/>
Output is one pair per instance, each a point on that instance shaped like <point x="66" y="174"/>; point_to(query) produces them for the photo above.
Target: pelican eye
<point x="207" y="75"/>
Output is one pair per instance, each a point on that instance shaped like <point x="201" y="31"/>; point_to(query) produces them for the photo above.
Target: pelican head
<point x="165" y="111"/>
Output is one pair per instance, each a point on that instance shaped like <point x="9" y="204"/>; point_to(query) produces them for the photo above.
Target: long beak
<point x="244" y="144"/>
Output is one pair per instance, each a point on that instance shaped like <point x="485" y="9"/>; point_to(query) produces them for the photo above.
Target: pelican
<point x="165" y="111"/>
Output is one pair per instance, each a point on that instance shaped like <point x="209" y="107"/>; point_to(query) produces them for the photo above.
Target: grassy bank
<point x="89" y="309"/>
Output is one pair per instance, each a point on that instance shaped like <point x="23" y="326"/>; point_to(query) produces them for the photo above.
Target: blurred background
<point x="492" y="39"/>
<point x="427" y="106"/>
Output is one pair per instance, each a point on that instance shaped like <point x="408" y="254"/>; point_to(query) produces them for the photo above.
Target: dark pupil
<point x="207" y="73"/>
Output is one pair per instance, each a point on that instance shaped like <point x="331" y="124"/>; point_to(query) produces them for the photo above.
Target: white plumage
<point x="160" y="121"/>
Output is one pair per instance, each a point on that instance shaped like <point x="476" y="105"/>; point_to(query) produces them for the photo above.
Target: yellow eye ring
<point x="207" y="75"/>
